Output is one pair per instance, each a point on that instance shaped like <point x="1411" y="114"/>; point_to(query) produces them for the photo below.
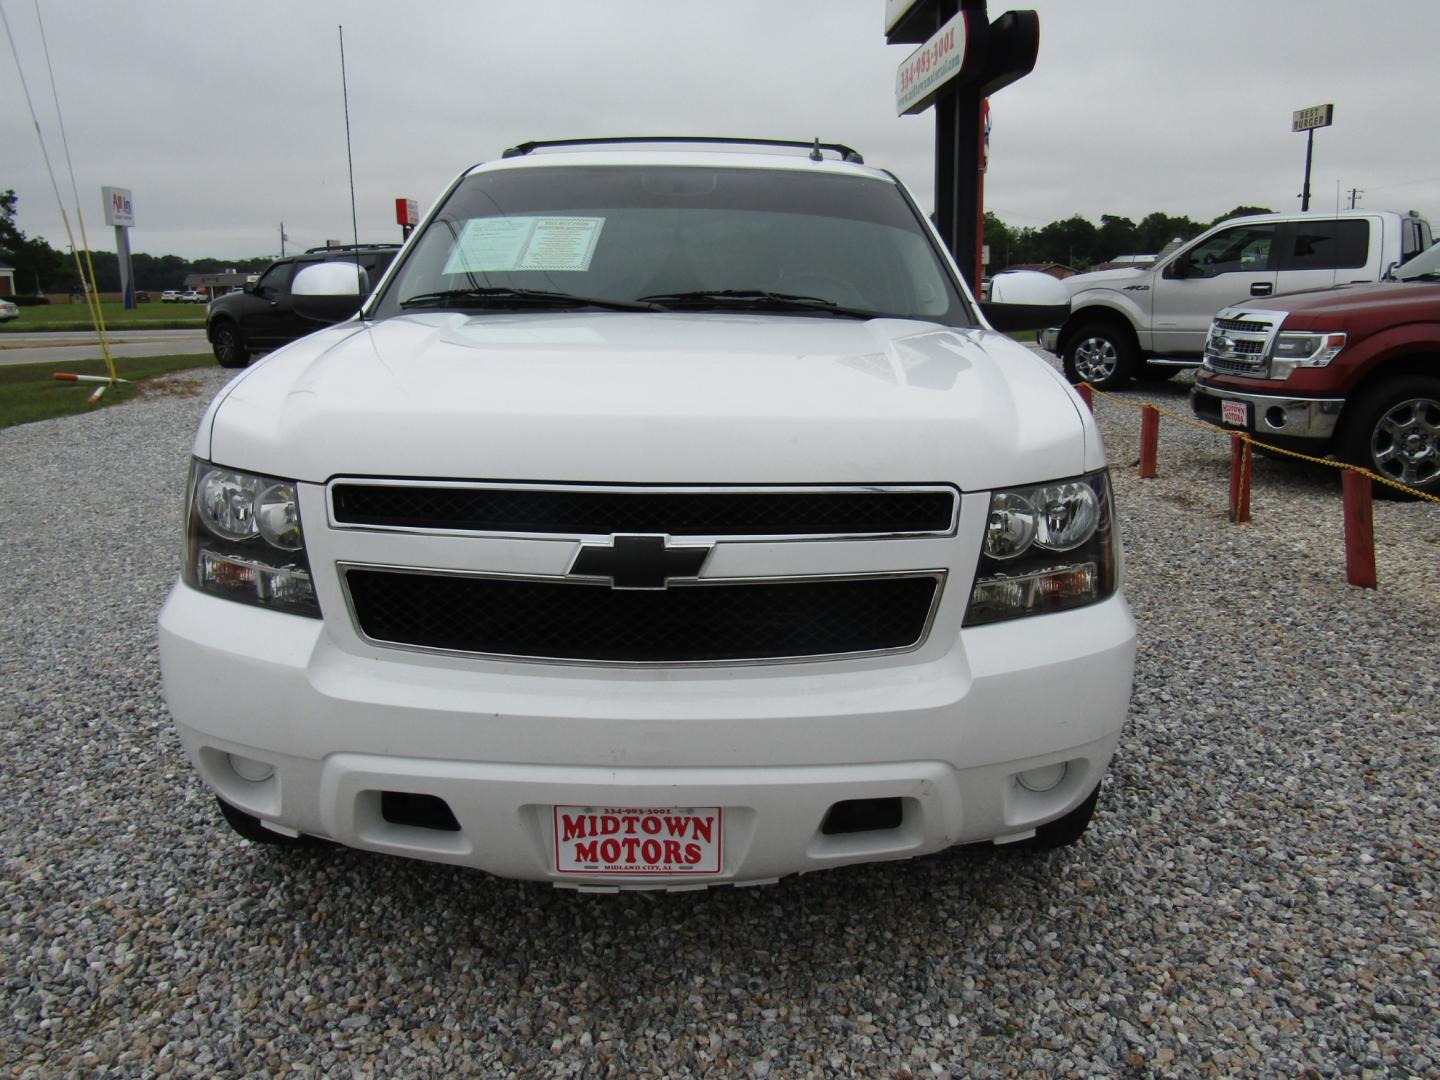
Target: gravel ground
<point x="1257" y="896"/>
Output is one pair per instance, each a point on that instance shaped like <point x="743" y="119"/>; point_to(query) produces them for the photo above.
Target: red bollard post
<point x="1359" y="529"/>
<point x="1239" y="480"/>
<point x="1149" y="441"/>
<point x="1088" y="398"/>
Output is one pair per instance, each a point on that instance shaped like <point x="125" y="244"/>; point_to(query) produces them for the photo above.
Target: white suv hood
<point x="640" y="398"/>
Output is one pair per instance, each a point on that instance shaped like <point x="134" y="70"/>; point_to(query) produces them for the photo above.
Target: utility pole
<point x="283" y="238"/>
<point x="1355" y="194"/>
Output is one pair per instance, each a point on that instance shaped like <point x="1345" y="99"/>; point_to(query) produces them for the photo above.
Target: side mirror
<point x="329" y="292"/>
<point x="248" y="288"/>
<point x="1026" y="300"/>
<point x="1178" y="269"/>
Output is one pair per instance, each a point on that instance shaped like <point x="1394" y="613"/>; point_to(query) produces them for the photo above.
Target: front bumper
<point x="1277" y="415"/>
<point x="774" y="747"/>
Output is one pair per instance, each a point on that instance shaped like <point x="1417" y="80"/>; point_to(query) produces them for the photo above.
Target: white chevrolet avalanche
<point x="666" y="516"/>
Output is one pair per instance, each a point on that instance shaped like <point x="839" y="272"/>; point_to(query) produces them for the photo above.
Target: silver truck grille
<point x="1238" y="345"/>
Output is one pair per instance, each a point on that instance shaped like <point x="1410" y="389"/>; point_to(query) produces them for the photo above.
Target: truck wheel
<point x="230" y="351"/>
<point x="1394" y="430"/>
<point x="1100" y="354"/>
<point x="248" y="826"/>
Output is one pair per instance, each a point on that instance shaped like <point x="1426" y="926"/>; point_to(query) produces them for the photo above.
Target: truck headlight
<point x="243" y="540"/>
<point x="1047" y="548"/>
<point x="1295" y="349"/>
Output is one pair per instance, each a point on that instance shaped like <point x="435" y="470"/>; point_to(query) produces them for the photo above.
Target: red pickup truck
<point x="1352" y="371"/>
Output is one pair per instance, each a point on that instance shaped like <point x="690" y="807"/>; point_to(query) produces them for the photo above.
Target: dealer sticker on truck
<point x="637" y="840"/>
<point x="1234" y="413"/>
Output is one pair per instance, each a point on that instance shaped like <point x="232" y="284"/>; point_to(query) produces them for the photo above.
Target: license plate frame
<point x="1235" y="413"/>
<point x="619" y="841"/>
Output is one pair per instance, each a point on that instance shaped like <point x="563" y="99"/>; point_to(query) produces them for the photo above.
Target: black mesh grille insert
<point x="685" y="623"/>
<point x="678" y="513"/>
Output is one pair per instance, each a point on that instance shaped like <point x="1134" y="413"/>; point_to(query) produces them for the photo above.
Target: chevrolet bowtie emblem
<point x="639" y="561"/>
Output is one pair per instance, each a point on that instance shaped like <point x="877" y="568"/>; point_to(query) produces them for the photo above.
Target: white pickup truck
<point x="1150" y="322"/>
<point x="666" y="517"/>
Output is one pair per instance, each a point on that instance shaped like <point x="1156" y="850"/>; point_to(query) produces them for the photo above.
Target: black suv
<point x="262" y="317"/>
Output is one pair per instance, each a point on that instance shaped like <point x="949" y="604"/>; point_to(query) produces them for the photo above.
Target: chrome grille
<point x="1242" y="326"/>
<point x="1238" y="346"/>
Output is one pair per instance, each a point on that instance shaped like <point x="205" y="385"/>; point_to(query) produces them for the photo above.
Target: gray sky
<point x="225" y="119"/>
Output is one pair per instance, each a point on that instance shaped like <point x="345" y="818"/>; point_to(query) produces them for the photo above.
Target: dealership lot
<point x="1257" y="895"/>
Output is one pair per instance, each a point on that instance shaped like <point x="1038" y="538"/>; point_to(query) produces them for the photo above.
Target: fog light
<point x="1041" y="779"/>
<point x="1275" y="416"/>
<point x="257" y="772"/>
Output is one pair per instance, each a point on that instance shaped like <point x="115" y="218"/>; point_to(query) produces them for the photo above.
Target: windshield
<point x="1425" y="266"/>
<point x="677" y="238"/>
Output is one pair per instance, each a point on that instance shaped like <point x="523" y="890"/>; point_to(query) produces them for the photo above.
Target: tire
<point x="230" y="351"/>
<point x="248" y="826"/>
<point x="1101" y="354"/>
<point x="1062" y="832"/>
<point x="1393" y="429"/>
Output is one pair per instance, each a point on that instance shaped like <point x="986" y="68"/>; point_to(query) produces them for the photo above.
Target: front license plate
<point x="638" y="839"/>
<point x="1235" y="413"/>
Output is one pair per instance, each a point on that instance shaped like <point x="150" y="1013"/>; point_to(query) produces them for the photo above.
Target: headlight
<point x="1295" y="349"/>
<point x="1047" y="548"/>
<point x="243" y="540"/>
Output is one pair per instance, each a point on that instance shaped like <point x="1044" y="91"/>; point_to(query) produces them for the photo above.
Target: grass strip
<point x="71" y="317"/>
<point x="29" y="392"/>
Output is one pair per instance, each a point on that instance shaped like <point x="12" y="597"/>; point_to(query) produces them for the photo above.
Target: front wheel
<point x="230" y="351"/>
<point x="1100" y="354"/>
<point x="1393" y="429"/>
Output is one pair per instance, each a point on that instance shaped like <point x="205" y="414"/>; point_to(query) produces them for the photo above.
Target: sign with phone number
<point x="930" y="66"/>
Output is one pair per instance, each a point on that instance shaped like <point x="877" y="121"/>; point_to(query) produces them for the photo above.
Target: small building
<point x="7" y="279"/>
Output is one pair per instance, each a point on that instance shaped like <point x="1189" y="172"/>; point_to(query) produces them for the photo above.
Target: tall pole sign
<point x="962" y="59"/>
<point x="1307" y="120"/>
<point x="120" y="212"/>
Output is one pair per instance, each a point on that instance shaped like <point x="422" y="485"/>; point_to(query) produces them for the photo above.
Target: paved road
<point x="22" y="348"/>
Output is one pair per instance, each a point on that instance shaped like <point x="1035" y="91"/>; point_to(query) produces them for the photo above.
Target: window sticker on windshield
<point x="508" y="244"/>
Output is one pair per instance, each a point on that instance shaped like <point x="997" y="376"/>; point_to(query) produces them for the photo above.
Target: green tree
<point x="38" y="266"/>
<point x="1117" y="236"/>
<point x="1073" y="242"/>
<point x="1242" y="211"/>
<point x="1157" y="229"/>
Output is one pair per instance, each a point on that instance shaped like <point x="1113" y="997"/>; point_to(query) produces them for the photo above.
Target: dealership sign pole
<point x="120" y="212"/>
<point x="962" y="59"/>
<point x="407" y="216"/>
<point x="1307" y="120"/>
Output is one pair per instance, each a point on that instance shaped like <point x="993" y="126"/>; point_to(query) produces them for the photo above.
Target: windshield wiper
<point x="760" y="298"/>
<point x="447" y="297"/>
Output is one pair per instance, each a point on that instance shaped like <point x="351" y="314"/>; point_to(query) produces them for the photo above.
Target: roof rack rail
<point x="815" y="146"/>
<point x="346" y="247"/>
